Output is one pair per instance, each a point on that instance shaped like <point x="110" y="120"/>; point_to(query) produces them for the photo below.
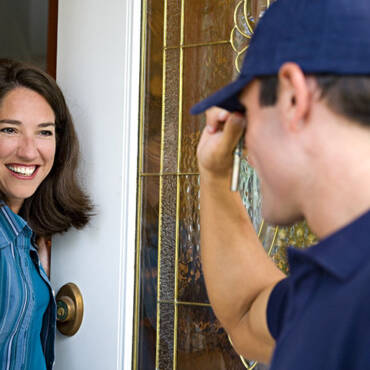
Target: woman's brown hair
<point x="59" y="201"/>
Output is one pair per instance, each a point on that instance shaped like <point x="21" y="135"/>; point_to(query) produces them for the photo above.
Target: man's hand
<point x="219" y="138"/>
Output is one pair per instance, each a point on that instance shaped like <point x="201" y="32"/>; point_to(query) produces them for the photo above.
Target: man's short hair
<point x="346" y="95"/>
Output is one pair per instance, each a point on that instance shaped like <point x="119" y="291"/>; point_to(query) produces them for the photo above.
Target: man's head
<point x="308" y="141"/>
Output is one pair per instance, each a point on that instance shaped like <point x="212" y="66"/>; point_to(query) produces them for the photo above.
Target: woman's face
<point x="27" y="144"/>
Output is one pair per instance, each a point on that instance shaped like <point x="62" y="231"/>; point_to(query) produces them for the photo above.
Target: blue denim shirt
<point x="18" y="302"/>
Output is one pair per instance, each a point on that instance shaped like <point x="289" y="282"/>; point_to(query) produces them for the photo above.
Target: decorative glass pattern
<point x="188" y="53"/>
<point x="246" y="15"/>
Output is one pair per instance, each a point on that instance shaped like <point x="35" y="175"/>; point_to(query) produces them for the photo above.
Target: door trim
<point x="131" y="106"/>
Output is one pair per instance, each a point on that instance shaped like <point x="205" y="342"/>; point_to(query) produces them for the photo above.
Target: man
<point x="304" y="92"/>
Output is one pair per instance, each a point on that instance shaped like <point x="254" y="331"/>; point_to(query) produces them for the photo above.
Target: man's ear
<point x="294" y="96"/>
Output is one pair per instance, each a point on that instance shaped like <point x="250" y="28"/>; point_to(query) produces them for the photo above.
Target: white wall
<point x="98" y="70"/>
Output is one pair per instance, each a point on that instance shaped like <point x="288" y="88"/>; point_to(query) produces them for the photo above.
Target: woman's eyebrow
<point x="46" y="124"/>
<point x="11" y="121"/>
<point x="15" y="122"/>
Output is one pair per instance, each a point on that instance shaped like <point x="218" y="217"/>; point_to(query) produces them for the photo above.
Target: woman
<point x="39" y="196"/>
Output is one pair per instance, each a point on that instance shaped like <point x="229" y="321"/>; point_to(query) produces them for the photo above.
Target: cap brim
<point x="226" y="98"/>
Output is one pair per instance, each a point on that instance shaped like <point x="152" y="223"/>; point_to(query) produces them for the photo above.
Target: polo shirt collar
<point x="11" y="225"/>
<point x="342" y="253"/>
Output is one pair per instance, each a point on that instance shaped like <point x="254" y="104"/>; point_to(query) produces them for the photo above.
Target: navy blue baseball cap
<point x="321" y="36"/>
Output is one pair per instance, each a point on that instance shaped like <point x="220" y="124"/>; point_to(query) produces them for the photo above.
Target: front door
<point x="98" y="70"/>
<point x="191" y="48"/>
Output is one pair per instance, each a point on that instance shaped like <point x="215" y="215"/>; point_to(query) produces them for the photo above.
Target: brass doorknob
<point x="70" y="309"/>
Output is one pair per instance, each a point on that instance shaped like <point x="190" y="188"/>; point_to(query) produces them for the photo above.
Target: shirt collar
<point x="11" y="225"/>
<point x="342" y="253"/>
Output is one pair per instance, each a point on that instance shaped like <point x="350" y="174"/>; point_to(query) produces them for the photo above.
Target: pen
<point x="238" y="153"/>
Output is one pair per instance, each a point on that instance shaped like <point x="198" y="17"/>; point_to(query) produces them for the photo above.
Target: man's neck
<point x="340" y="190"/>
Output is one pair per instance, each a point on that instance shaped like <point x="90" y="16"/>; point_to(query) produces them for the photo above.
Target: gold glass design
<point x="189" y="50"/>
<point x="246" y="16"/>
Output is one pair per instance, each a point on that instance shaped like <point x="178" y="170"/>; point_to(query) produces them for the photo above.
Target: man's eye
<point x="8" y="130"/>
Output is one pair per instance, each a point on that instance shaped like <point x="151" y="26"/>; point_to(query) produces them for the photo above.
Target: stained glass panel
<point x="188" y="54"/>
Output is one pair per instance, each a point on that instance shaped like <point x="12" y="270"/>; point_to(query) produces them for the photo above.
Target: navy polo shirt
<point x="320" y="314"/>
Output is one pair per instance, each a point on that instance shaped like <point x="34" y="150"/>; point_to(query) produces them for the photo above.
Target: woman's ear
<point x="294" y="96"/>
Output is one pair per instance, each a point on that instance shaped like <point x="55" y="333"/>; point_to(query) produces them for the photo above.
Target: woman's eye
<point x="46" y="133"/>
<point x="8" y="130"/>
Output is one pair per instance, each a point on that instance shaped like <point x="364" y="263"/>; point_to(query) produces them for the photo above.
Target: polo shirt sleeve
<point x="277" y="307"/>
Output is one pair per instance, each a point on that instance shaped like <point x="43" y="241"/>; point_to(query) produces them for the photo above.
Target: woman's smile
<point x="24" y="172"/>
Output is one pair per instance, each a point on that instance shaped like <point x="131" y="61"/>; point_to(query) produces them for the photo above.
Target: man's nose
<point x="27" y="149"/>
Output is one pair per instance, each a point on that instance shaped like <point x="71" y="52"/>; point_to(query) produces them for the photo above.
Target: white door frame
<point x="132" y="77"/>
<point x="98" y="69"/>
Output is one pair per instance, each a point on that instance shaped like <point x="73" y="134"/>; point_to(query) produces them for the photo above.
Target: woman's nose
<point x="27" y="148"/>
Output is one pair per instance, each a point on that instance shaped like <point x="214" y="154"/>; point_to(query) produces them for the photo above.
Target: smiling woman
<point x="39" y="196"/>
<point x="27" y="144"/>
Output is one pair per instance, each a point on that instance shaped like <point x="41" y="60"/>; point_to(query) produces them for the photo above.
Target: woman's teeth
<point x="24" y="171"/>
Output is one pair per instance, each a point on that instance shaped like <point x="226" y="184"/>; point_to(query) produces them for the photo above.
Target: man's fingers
<point x="218" y="141"/>
<point x="233" y="130"/>
<point x="216" y="117"/>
